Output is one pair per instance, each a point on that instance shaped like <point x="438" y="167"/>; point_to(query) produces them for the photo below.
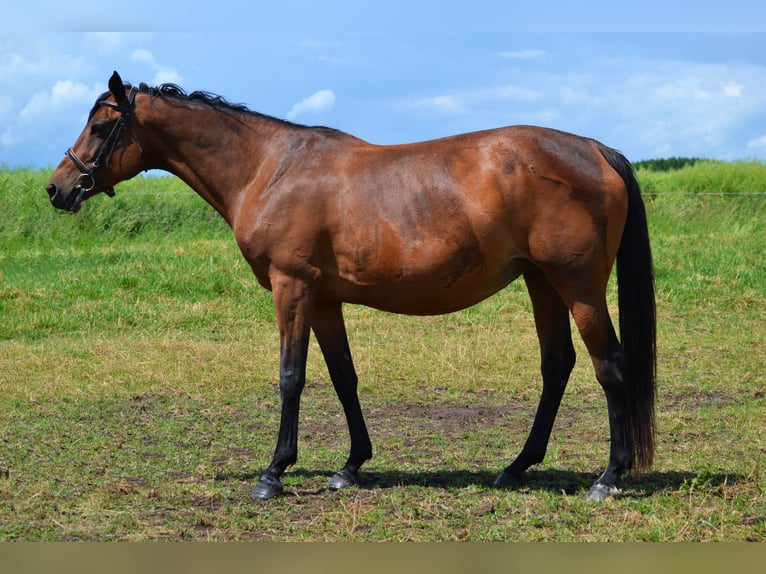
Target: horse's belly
<point x="437" y="292"/>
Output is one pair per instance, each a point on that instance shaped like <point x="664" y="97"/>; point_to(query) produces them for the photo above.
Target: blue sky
<point x="653" y="79"/>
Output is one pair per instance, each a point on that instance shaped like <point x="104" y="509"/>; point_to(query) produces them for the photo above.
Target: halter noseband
<point x="87" y="179"/>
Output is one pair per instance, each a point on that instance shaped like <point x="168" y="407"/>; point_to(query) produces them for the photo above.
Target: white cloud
<point x="67" y="92"/>
<point x="321" y="101"/>
<point x="13" y="65"/>
<point x="63" y="96"/>
<point x="685" y="89"/>
<point x="145" y="57"/>
<point x="733" y="89"/>
<point x="162" y="74"/>
<point x="167" y="76"/>
<point x="444" y="104"/>
<point x="22" y="63"/>
<point x="46" y="114"/>
<point x="653" y="108"/>
<point x="472" y="100"/>
<point x="449" y="104"/>
<point x="8" y="138"/>
<point x="648" y="108"/>
<point x="757" y="144"/>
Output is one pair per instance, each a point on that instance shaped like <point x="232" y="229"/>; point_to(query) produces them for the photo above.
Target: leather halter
<point x="87" y="179"/>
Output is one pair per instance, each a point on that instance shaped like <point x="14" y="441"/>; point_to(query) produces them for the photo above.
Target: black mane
<point x="171" y="93"/>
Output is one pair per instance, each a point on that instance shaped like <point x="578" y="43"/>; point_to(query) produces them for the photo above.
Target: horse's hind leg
<point x="331" y="334"/>
<point x="557" y="362"/>
<point x="591" y="316"/>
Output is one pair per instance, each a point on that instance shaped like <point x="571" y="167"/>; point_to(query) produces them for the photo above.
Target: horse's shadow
<point x="550" y="480"/>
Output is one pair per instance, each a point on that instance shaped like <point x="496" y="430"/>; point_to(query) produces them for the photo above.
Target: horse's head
<point x="105" y="154"/>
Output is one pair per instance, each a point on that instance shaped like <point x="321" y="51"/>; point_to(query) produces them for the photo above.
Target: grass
<point x="138" y="367"/>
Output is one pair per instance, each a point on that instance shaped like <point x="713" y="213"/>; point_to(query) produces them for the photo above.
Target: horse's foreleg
<point x="557" y="362"/>
<point x="331" y="333"/>
<point x="292" y="300"/>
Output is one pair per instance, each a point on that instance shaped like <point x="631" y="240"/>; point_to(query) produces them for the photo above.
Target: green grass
<point x="139" y="359"/>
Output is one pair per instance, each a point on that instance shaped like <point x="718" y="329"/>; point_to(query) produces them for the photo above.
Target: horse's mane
<point x="172" y="93"/>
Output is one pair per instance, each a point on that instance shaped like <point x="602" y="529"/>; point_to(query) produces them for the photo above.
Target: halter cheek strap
<point x="87" y="179"/>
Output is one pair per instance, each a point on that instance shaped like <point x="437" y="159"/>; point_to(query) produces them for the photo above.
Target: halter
<point x="87" y="179"/>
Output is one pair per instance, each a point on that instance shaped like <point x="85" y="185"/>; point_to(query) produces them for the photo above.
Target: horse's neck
<point x="217" y="153"/>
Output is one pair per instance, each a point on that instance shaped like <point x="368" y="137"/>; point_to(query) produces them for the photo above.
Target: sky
<point x="652" y="79"/>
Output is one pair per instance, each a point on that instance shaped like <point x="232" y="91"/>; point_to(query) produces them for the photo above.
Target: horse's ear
<point x="117" y="88"/>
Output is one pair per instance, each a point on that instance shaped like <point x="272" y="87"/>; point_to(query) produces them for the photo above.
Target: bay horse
<point x="324" y="218"/>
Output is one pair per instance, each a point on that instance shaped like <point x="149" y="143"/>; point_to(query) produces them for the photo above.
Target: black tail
<point x="635" y="285"/>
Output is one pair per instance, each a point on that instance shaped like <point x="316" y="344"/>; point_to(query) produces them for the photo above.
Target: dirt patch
<point x="389" y="423"/>
<point x="714" y="399"/>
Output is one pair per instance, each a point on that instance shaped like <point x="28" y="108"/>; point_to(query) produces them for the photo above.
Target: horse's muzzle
<point x="70" y="202"/>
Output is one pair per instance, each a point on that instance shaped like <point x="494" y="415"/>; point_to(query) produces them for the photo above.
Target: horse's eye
<point x="98" y="130"/>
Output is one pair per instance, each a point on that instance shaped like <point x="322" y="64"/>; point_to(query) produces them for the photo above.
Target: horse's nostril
<point x="51" y="189"/>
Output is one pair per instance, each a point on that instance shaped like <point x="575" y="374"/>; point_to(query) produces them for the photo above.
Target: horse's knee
<point x="558" y="366"/>
<point x="290" y="385"/>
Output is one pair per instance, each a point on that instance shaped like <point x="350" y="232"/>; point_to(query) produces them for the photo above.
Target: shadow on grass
<point x="552" y="480"/>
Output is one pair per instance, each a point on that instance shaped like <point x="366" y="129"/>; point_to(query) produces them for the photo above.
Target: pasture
<point x="139" y="399"/>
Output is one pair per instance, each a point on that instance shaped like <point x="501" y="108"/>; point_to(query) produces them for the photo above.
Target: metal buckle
<point x="86" y="177"/>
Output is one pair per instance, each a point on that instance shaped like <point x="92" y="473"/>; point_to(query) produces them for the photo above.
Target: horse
<point x="324" y="218"/>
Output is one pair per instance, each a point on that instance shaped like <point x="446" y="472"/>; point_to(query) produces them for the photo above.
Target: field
<point x="139" y="399"/>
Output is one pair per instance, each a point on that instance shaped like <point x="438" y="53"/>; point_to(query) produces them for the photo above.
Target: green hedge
<point x="157" y="206"/>
<point x="143" y="206"/>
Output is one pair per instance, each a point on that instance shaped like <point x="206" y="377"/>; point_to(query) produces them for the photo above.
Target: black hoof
<point x="343" y="479"/>
<point x="510" y="480"/>
<point x="599" y="492"/>
<point x="266" y="488"/>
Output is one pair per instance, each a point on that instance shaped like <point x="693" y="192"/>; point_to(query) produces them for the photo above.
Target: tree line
<point x="666" y="164"/>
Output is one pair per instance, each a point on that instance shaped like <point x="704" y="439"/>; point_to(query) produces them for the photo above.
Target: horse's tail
<point x="635" y="286"/>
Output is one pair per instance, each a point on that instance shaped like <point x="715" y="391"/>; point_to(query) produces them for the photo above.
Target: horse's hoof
<point x="266" y="488"/>
<point x="510" y="480"/>
<point x="600" y="492"/>
<point x="343" y="479"/>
